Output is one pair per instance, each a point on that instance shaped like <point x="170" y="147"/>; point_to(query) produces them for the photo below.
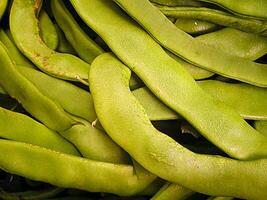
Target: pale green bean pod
<point x="217" y="17"/>
<point x="25" y="31"/>
<point x="191" y="50"/>
<point x="68" y="171"/>
<point x="21" y="128"/>
<point x="85" y="47"/>
<point x="249" y="8"/>
<point x="157" y="152"/>
<point x="170" y="82"/>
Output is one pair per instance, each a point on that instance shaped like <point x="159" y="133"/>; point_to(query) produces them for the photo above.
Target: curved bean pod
<point x="195" y="26"/>
<point x="261" y="126"/>
<point x="25" y="31"/>
<point x="172" y="191"/>
<point x="238" y="43"/>
<point x="175" y="87"/>
<point x="48" y="31"/>
<point x="91" y="142"/>
<point x="218" y="17"/>
<point x="21" y="128"/>
<point x="85" y="47"/>
<point x="250" y="8"/>
<point x="68" y="171"/>
<point x="246" y="99"/>
<point x="213" y="175"/>
<point x="252" y="107"/>
<point x="52" y="88"/>
<point x="33" y="101"/>
<point x="191" y="50"/>
<point x="3" y="5"/>
<point x="13" y="51"/>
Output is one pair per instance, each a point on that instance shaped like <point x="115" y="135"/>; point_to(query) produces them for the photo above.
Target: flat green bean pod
<point x="195" y="26"/>
<point x="233" y="41"/>
<point x="218" y="17"/>
<point x="21" y="128"/>
<point x="85" y="47"/>
<point x="177" y="2"/>
<point x="250" y="8"/>
<point x="13" y="51"/>
<point x="191" y="50"/>
<point x="246" y="99"/>
<point x="48" y="31"/>
<point x="238" y="43"/>
<point x="91" y="142"/>
<point x="30" y="97"/>
<point x="172" y="191"/>
<point x="157" y="152"/>
<point x="170" y="82"/>
<point x="53" y="87"/>
<point x="261" y="126"/>
<point x="63" y="170"/>
<point x="3" y="5"/>
<point x="25" y="31"/>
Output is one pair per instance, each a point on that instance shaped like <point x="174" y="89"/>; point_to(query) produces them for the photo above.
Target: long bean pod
<point x="91" y="142"/>
<point x="85" y="47"/>
<point x="213" y="175"/>
<point x="218" y="17"/>
<point x="199" y="54"/>
<point x="68" y="171"/>
<point x="25" y="31"/>
<point x="170" y="82"/>
<point x="21" y="128"/>
<point x="250" y="8"/>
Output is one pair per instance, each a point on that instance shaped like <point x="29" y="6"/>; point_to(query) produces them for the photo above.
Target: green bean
<point x="250" y="8"/>
<point x="177" y="2"/>
<point x="3" y="5"/>
<point x="51" y="87"/>
<point x="175" y="87"/>
<point x="48" y="31"/>
<point x="213" y="175"/>
<point x="31" y="195"/>
<point x="172" y="191"/>
<point x="86" y="48"/>
<point x="9" y="72"/>
<point x="261" y="126"/>
<point x="63" y="170"/>
<point x="18" y="58"/>
<point x="91" y="142"/>
<point x="195" y="26"/>
<point x="252" y="107"/>
<point x="21" y="128"/>
<point x="197" y="53"/>
<point x="238" y="43"/>
<point x="217" y="17"/>
<point x="246" y="99"/>
<point x="25" y="31"/>
<point x="63" y="44"/>
<point x="155" y="109"/>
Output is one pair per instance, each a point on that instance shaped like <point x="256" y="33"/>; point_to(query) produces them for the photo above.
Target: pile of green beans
<point x="143" y="99"/>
